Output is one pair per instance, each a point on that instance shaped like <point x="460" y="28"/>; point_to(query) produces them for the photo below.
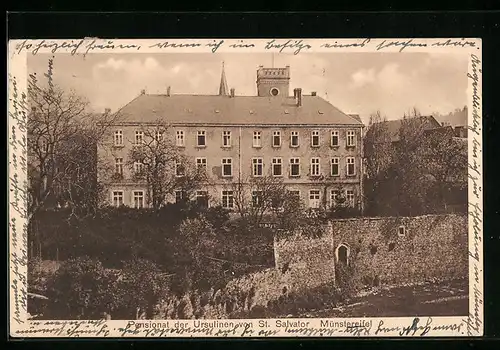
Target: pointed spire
<point x="223" y="89"/>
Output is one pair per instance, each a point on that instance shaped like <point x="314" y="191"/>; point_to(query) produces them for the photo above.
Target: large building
<point x="313" y="146"/>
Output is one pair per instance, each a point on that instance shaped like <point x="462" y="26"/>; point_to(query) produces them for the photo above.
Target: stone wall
<point x="404" y="250"/>
<point x="390" y="251"/>
<point x="307" y="262"/>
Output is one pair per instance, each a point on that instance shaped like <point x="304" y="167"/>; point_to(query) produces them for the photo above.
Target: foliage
<point x="80" y="289"/>
<point x="420" y="170"/>
<point x="36" y="276"/>
<point x="63" y="137"/>
<point x="140" y="286"/>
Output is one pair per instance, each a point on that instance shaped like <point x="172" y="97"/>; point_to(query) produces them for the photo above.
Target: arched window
<point x="342" y="254"/>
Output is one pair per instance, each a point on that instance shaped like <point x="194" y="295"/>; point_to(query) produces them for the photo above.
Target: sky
<point x="358" y="83"/>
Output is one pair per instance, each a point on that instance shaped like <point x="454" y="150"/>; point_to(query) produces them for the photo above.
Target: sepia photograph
<point x="204" y="186"/>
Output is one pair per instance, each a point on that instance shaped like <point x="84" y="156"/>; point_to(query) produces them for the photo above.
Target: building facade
<point x="313" y="146"/>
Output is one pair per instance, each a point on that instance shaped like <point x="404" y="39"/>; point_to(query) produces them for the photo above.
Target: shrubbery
<point x="80" y="289"/>
<point x="123" y="261"/>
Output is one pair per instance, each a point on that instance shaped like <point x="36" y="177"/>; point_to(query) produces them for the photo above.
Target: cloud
<point x="362" y="77"/>
<point x="355" y="83"/>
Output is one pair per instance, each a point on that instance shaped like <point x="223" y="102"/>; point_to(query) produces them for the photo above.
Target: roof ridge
<point x="128" y="103"/>
<point x="339" y="110"/>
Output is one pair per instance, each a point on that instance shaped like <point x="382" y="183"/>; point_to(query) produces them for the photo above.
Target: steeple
<point x="223" y="89"/>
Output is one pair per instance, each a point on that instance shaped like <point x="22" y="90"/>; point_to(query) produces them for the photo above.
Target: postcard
<point x="168" y="188"/>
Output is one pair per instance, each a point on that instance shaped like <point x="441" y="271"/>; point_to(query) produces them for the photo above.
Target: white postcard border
<point x="20" y="326"/>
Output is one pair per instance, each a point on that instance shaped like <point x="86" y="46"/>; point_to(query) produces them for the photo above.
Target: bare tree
<point x="255" y="198"/>
<point x="162" y="167"/>
<point x="414" y="172"/>
<point x="63" y="137"/>
<point x="378" y="150"/>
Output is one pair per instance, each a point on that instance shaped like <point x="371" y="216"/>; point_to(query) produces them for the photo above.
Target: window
<point x="201" y="165"/>
<point x="277" y="167"/>
<point x="314" y="198"/>
<point x="334" y="195"/>
<point x="334" y="165"/>
<point x="315" y="167"/>
<point x="179" y="169"/>
<point x="294" y="139"/>
<point x="315" y="138"/>
<point x="257" y="165"/>
<point x="350" y="139"/>
<point x="294" y="166"/>
<point x="158" y="135"/>
<point x="334" y="138"/>
<point x="276" y="138"/>
<point x="350" y="166"/>
<point x="226" y="139"/>
<point x="202" y="198"/>
<point x="138" y="167"/>
<point x="117" y="198"/>
<point x="179" y="138"/>
<point x="201" y="139"/>
<point x="350" y="198"/>
<point x="119" y="166"/>
<point x="179" y="196"/>
<point x="118" y="139"/>
<point x="138" y="199"/>
<point x="139" y="137"/>
<point x="227" y="167"/>
<point x="256" y="199"/>
<point x="227" y="199"/>
<point x="257" y="139"/>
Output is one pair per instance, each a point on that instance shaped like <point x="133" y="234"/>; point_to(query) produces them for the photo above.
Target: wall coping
<point x="375" y="218"/>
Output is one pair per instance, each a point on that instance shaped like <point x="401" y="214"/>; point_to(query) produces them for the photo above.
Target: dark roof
<point x="456" y="118"/>
<point x="214" y="109"/>
<point x="357" y="117"/>
<point x="393" y="126"/>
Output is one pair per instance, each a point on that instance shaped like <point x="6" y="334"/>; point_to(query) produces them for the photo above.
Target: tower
<point x="223" y="89"/>
<point x="273" y="81"/>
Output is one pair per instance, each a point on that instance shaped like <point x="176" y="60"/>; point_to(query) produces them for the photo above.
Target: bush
<point x="345" y="282"/>
<point x="140" y="286"/>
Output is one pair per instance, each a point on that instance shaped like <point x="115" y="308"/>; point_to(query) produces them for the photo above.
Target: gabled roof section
<point x="393" y="126"/>
<point x="238" y="110"/>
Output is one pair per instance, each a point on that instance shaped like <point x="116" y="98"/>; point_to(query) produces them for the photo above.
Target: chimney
<point x="107" y="110"/>
<point x="299" y="97"/>
<point x="143" y="92"/>
<point x="168" y="91"/>
<point x="33" y="109"/>
<point x="313" y="93"/>
<point x="295" y="94"/>
<point x="232" y="92"/>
